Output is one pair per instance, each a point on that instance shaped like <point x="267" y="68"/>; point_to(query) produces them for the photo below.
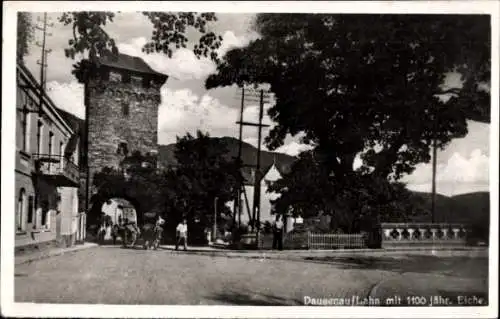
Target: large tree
<point x="370" y="84"/>
<point x="203" y="173"/>
<point x="308" y="191"/>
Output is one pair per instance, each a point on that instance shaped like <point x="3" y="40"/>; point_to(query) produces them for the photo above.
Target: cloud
<point x="474" y="169"/>
<point x="459" y="174"/>
<point x="463" y="161"/>
<point x="131" y="30"/>
<point x="293" y="148"/>
<point x="183" y="65"/>
<point x="182" y="111"/>
<point x="67" y="96"/>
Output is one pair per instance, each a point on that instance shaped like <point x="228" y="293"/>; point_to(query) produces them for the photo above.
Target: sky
<point x="186" y="105"/>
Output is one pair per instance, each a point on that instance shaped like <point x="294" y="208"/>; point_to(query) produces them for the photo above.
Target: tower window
<point x="115" y="77"/>
<point x="125" y="108"/>
<point x="122" y="149"/>
<point x="136" y="80"/>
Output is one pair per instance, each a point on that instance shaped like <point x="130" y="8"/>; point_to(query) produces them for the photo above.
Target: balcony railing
<point x="60" y="169"/>
<point x="423" y="234"/>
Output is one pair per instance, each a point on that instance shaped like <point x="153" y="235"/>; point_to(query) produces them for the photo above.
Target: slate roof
<point x="130" y="63"/>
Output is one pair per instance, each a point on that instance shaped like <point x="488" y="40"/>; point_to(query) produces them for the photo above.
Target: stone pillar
<point x="410" y="232"/>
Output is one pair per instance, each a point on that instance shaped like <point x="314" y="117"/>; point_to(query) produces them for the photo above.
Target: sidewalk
<point x="472" y="252"/>
<point x="37" y="255"/>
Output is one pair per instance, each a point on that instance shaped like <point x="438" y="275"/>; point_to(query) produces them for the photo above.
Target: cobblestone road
<point x="111" y="275"/>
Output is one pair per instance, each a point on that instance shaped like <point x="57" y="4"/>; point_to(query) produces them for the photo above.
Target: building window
<point x="61" y="150"/>
<point x="21" y="209"/>
<point x="39" y="132"/>
<point x="31" y="204"/>
<point x="45" y="214"/>
<point x="24" y="120"/>
<point x="51" y="144"/>
<point x="27" y="145"/>
<point x="125" y="108"/>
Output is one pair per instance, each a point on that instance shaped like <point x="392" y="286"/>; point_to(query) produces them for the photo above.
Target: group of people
<point x="108" y="230"/>
<point x="278" y="229"/>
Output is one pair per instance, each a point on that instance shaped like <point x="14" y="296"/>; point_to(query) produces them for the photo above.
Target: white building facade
<point x="46" y="170"/>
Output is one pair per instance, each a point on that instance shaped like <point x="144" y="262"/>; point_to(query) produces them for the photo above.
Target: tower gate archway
<point x="121" y="97"/>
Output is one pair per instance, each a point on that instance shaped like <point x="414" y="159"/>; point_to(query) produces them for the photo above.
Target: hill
<point x="473" y="208"/>
<point x="283" y="162"/>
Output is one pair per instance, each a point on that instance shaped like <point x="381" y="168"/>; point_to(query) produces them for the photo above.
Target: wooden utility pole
<point x="43" y="68"/>
<point x="258" y="177"/>
<point x="434" y="166"/>
<point x="43" y="59"/>
<point x="237" y="201"/>
<point x="261" y="98"/>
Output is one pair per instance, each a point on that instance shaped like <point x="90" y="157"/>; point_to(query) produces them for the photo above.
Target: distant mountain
<point x="248" y="154"/>
<point x="471" y="208"/>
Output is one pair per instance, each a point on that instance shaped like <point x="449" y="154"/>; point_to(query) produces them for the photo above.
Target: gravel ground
<point x="111" y="275"/>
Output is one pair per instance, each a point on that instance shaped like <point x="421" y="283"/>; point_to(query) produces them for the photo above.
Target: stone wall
<point x="122" y="109"/>
<point x="110" y="123"/>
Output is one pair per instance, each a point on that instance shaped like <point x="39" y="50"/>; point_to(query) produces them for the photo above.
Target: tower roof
<point x="130" y="63"/>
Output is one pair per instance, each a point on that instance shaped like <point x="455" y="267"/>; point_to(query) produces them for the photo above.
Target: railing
<point x="57" y="165"/>
<point x="309" y="240"/>
<point x="425" y="234"/>
<point x="336" y="241"/>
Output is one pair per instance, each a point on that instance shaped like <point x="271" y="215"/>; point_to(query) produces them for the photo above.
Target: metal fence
<point x="309" y="240"/>
<point x="335" y="241"/>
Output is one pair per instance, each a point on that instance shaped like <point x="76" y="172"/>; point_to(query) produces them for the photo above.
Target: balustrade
<point x="415" y="234"/>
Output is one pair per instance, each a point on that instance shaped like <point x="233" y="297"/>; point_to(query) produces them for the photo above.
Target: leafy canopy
<point x="203" y="173"/>
<point x="169" y="29"/>
<point x="369" y="84"/>
<point x="307" y="191"/>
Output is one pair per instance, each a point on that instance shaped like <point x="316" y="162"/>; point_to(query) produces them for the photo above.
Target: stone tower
<point x="123" y="97"/>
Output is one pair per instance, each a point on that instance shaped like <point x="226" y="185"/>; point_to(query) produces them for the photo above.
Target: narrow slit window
<point x="125" y="108"/>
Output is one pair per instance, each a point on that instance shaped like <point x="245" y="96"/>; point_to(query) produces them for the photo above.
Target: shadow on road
<point x="254" y="299"/>
<point x="453" y="266"/>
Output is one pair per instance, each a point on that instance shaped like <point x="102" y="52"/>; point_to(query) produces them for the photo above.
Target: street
<point x="112" y="275"/>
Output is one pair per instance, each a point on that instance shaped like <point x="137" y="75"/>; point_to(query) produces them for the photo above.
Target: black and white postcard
<point x="250" y="159"/>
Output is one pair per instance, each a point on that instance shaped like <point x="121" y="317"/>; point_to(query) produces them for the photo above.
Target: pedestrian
<point x="115" y="232"/>
<point x="182" y="234"/>
<point x="101" y="233"/>
<point x="278" y="233"/>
